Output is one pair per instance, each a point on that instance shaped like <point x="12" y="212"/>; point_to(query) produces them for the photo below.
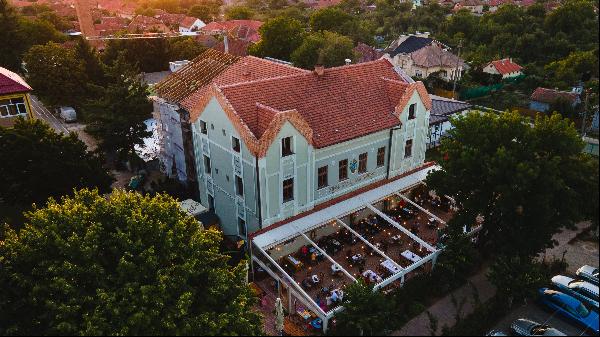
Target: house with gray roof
<point x="442" y="109"/>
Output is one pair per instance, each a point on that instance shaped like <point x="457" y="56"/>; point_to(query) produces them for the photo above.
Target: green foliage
<point x="184" y="49"/>
<point x="39" y="163"/>
<point x="239" y="13"/>
<point x="123" y="265"/>
<point x="57" y="21"/>
<point x="206" y="10"/>
<point x="336" y="20"/>
<point x="149" y="55"/>
<point x="527" y="181"/>
<point x="279" y="38"/>
<point x="574" y="67"/>
<point x="56" y="74"/>
<point x="117" y="116"/>
<point x="325" y="48"/>
<point x="365" y="312"/>
<point x="517" y="278"/>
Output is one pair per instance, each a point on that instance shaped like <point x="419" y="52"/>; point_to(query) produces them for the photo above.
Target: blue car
<point x="569" y="307"/>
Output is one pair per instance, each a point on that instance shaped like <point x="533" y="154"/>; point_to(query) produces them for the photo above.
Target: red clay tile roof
<point x="506" y="66"/>
<point x="366" y="53"/>
<point x="435" y="56"/>
<point x="344" y="103"/>
<point x="187" y="22"/>
<point x="235" y="47"/>
<point x="242" y="29"/>
<point x="247" y="69"/>
<point x="11" y="83"/>
<point x="499" y="2"/>
<point x="550" y="95"/>
<point x="198" y="73"/>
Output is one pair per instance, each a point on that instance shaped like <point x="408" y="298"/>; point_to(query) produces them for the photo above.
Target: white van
<point x="67" y="114"/>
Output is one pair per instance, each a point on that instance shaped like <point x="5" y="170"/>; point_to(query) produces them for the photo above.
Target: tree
<point x="279" y="38"/>
<point x="366" y="312"/>
<point x="516" y="278"/>
<point x="329" y="18"/>
<point x="527" y="181"/>
<point x="10" y="37"/>
<point x="117" y="116"/>
<point x="56" y="74"/>
<point x="92" y="65"/>
<point x="325" y="48"/>
<point x="184" y="49"/>
<point x="206" y="10"/>
<point x="126" y="264"/>
<point x="572" y="68"/>
<point x="150" y="55"/>
<point x="239" y="13"/>
<point x="39" y="163"/>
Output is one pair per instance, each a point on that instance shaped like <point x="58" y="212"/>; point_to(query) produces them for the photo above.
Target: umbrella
<point x="278" y="315"/>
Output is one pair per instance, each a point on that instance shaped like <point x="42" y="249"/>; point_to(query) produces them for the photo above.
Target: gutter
<point x="389" y="156"/>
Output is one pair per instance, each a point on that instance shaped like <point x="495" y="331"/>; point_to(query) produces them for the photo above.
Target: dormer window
<point x="412" y="114"/>
<point x="286" y="147"/>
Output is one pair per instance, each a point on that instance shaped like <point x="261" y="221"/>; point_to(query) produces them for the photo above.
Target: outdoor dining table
<point x="297" y="264"/>
<point x="335" y="268"/>
<point x="372" y="276"/>
<point x="411" y="256"/>
<point x="390" y="266"/>
<point x="357" y="257"/>
<point x="397" y="238"/>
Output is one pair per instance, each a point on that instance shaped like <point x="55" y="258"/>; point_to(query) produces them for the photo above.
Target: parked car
<point x="570" y="308"/>
<point x="581" y="290"/>
<point x="525" y="327"/>
<point x="67" y="114"/>
<point x="588" y="273"/>
<point x="496" y="333"/>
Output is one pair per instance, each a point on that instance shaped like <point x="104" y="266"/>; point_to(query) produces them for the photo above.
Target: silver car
<point x="581" y="290"/>
<point x="588" y="273"/>
<point x="525" y="327"/>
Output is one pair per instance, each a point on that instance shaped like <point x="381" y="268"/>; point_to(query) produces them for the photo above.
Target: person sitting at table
<point x="335" y="297"/>
<point x="304" y="251"/>
<point x="306" y="284"/>
<point x="313" y="258"/>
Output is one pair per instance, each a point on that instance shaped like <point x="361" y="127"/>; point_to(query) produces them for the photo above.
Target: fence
<point x="469" y="93"/>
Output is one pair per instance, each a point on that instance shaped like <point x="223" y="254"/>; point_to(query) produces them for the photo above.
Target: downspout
<point x="390" y="150"/>
<point x="259" y="205"/>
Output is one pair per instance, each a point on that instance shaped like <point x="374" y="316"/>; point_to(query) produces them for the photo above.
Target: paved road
<point x="41" y="112"/>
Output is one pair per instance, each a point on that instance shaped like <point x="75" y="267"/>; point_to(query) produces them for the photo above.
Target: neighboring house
<point x="366" y="53"/>
<point x="273" y="149"/>
<point x="110" y="25"/>
<point x="442" y="109"/>
<point x="180" y="92"/>
<point x="142" y="24"/>
<point x="14" y="98"/>
<point x="233" y="46"/>
<point x="504" y="67"/>
<point x="475" y="6"/>
<point x="420" y="56"/>
<point x="241" y="29"/>
<point x="190" y="24"/>
<point x="542" y="98"/>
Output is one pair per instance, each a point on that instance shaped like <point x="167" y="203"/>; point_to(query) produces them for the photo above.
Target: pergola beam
<point x="328" y="257"/>
<point x="295" y="285"/>
<point x="369" y="244"/>
<point x="404" y="230"/>
<point x="421" y="208"/>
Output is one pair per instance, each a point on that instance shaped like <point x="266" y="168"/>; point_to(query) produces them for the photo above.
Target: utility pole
<point x="456" y="70"/>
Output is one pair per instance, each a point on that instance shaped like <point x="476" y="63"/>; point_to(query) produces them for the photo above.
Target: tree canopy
<point x="527" y="181"/>
<point x="239" y="13"/>
<point x="38" y="163"/>
<point x="117" y="116"/>
<point x="279" y="38"/>
<point x="326" y="48"/>
<point x="123" y="265"/>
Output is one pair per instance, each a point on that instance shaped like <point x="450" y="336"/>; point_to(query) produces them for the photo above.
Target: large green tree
<point x="56" y="74"/>
<point x="325" y="48"/>
<point x="526" y="180"/>
<point x="366" y="312"/>
<point x="39" y="163"/>
<point x="117" y="116"/>
<point x="279" y="38"/>
<point x="239" y="13"/>
<point x="184" y="49"/>
<point x="150" y="55"/>
<point x="126" y="264"/>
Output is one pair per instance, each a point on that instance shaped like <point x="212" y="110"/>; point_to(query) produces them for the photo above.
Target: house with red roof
<point x="506" y="67"/>
<point x="271" y="141"/>
<point x="14" y="98"/>
<point x="142" y="24"/>
<point x="542" y="99"/>
<point x="241" y="29"/>
<point x="190" y="24"/>
<point x="495" y="4"/>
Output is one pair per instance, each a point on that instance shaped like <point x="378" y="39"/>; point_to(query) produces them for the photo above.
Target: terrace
<point x="383" y="236"/>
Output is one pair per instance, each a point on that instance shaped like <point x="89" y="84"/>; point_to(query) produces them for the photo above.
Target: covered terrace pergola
<point x="383" y="236"/>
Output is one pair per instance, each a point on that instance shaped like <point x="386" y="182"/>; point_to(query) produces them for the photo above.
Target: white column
<point x="404" y="230"/>
<point x="328" y="257"/>
<point x="421" y="208"/>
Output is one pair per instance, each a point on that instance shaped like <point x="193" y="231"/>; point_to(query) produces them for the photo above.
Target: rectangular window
<point x="242" y="227"/>
<point x="408" y="148"/>
<point x="322" y="179"/>
<point x="412" y="111"/>
<point x="286" y="146"/>
<point x="343" y="170"/>
<point x="207" y="169"/>
<point x="235" y="144"/>
<point x="362" y="162"/>
<point x="239" y="186"/>
<point x="380" y="156"/>
<point x="288" y="190"/>
<point x="203" y="128"/>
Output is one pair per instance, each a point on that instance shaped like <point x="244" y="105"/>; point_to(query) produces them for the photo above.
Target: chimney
<point x="348" y="61"/>
<point x="319" y="70"/>
<point x="226" y="44"/>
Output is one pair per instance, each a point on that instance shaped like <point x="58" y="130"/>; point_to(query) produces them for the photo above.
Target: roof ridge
<point x="278" y="63"/>
<point x="261" y="80"/>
